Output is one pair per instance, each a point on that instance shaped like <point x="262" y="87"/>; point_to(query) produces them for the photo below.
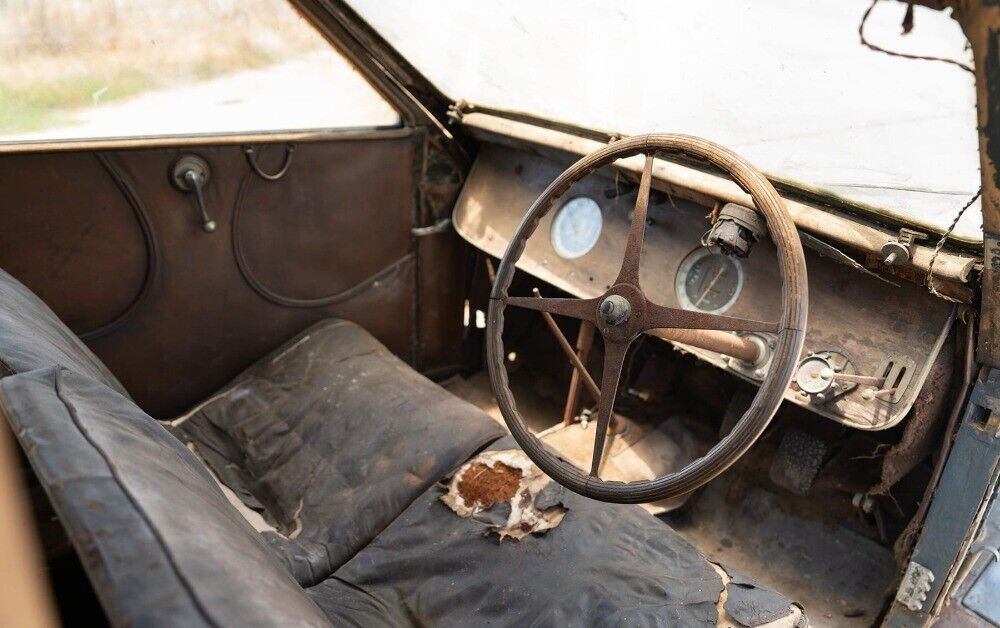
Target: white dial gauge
<point x="576" y="227"/>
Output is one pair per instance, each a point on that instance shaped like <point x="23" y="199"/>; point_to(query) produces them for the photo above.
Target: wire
<point x="909" y="22"/>
<point x="940" y="245"/>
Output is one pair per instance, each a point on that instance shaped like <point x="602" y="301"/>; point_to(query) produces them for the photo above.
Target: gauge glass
<point x="576" y="227"/>
<point x="708" y="281"/>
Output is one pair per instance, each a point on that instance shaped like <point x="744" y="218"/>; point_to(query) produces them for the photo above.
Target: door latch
<point x="190" y="174"/>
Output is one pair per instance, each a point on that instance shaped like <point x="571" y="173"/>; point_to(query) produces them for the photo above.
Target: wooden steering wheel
<point x="623" y="312"/>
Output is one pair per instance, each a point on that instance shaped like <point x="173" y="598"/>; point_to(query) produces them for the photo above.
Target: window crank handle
<point x="195" y="183"/>
<point x="190" y="174"/>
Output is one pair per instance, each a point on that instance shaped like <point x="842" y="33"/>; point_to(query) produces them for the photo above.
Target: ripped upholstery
<point x="330" y="437"/>
<point x="604" y="565"/>
<point x="507" y="493"/>
<point x="746" y="604"/>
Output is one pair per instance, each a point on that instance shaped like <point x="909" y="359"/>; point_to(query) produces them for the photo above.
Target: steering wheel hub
<point x="615" y="310"/>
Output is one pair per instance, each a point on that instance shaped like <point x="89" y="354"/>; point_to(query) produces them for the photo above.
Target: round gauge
<point x="708" y="281"/>
<point x="576" y="227"/>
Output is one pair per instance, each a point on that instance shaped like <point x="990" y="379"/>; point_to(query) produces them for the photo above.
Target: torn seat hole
<point x="507" y="493"/>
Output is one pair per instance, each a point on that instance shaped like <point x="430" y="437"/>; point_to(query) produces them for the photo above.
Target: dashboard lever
<point x="829" y="374"/>
<point x="190" y="174"/>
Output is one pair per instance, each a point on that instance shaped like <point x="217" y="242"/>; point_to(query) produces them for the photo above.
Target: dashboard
<point x="870" y="343"/>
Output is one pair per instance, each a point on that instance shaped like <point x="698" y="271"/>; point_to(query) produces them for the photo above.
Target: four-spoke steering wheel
<point x="623" y="312"/>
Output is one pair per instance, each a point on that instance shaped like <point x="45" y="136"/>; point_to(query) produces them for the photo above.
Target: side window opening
<point x="90" y="69"/>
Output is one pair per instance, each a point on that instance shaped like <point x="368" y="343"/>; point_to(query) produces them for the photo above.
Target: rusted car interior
<point x="478" y="367"/>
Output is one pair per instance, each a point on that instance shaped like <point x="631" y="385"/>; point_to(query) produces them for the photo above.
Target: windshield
<point x="786" y="83"/>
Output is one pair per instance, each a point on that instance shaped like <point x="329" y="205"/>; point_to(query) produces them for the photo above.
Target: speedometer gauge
<point x="708" y="281"/>
<point x="576" y="227"/>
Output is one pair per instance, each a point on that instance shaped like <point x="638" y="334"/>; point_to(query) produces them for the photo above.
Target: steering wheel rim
<point x="639" y="311"/>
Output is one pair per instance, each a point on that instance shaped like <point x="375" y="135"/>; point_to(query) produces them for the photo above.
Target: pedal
<point x="797" y="461"/>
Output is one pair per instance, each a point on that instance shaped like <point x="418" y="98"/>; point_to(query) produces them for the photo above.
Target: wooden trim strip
<point x="224" y="139"/>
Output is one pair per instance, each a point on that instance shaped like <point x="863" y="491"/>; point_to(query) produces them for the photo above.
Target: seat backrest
<point x="159" y="540"/>
<point x="33" y="337"/>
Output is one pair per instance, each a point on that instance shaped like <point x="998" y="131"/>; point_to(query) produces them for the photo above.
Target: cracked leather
<point x="332" y="436"/>
<point x="161" y="544"/>
<point x="604" y="565"/>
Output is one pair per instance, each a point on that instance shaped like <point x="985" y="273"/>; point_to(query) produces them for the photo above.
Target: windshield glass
<point x="786" y="83"/>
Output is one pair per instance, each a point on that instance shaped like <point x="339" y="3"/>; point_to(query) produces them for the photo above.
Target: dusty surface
<point x="838" y="576"/>
<point x="637" y="453"/>
<point x="784" y="83"/>
<point x="540" y="413"/>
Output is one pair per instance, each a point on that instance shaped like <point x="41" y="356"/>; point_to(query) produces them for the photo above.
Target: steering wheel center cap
<point x="615" y="310"/>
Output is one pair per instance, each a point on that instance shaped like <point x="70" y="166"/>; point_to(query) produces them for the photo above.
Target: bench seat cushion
<point x="330" y="438"/>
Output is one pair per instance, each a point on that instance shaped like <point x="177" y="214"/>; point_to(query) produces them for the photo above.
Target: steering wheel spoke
<point x="662" y="317"/>
<point x="583" y="309"/>
<point x="629" y="272"/>
<point x="614" y="358"/>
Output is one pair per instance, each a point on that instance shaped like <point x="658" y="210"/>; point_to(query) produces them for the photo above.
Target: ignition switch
<point x="736" y="230"/>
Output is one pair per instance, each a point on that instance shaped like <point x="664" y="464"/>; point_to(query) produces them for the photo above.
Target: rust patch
<point x="485" y="486"/>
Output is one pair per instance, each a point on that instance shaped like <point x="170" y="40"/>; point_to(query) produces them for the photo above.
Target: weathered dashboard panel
<point x="851" y="314"/>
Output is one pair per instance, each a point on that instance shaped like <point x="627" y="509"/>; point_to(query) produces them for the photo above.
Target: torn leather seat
<point x="341" y="445"/>
<point x="604" y="564"/>
<point x="330" y="437"/>
<point x="163" y="546"/>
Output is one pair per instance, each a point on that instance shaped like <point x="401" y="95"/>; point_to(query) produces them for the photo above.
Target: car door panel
<point x="119" y="253"/>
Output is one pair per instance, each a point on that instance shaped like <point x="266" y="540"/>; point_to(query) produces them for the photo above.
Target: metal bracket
<point x="458" y="109"/>
<point x="916" y="584"/>
<point x="896" y="373"/>
<point x="898" y="251"/>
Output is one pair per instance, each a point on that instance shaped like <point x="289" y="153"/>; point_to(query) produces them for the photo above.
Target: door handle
<point x="190" y="174"/>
